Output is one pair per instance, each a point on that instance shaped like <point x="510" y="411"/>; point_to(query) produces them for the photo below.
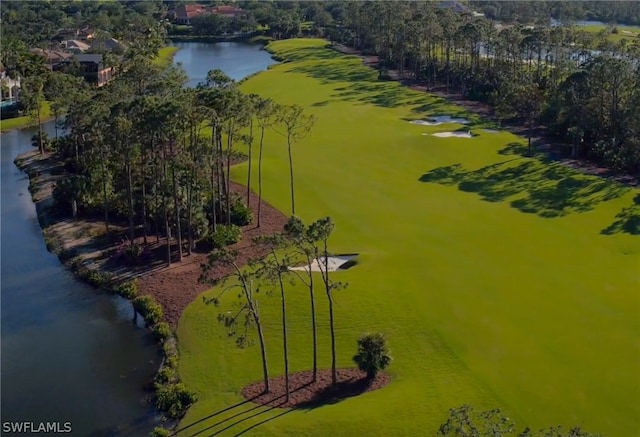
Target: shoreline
<point x="82" y="247"/>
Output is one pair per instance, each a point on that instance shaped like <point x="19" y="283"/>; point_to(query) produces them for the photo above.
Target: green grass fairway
<point x="624" y="32"/>
<point x="500" y="281"/>
<point x="25" y="121"/>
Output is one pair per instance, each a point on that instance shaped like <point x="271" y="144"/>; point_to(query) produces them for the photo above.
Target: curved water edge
<point x="62" y="340"/>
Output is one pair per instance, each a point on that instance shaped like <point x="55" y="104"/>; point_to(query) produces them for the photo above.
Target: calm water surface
<point x="69" y="353"/>
<point x="237" y="60"/>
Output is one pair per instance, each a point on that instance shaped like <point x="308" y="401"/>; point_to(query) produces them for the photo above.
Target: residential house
<point x="108" y="45"/>
<point x="228" y="11"/>
<point x="9" y="89"/>
<point x="75" y="46"/>
<point x="55" y="58"/>
<point x="82" y="34"/>
<point x="185" y="13"/>
<point x="93" y="70"/>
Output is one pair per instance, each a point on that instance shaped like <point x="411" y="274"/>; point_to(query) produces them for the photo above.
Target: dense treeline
<point x="37" y="22"/>
<point x="145" y="151"/>
<point x="590" y="99"/>
<point x="620" y="12"/>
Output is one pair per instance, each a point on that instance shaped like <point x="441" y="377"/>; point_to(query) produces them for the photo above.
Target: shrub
<point x="166" y="375"/>
<point x="373" y="354"/>
<point x="174" y="399"/>
<point x="241" y="214"/>
<point x="94" y="277"/>
<point x="161" y="331"/>
<point x="159" y="431"/>
<point x="224" y="236"/>
<point x="128" y="290"/>
<point x="148" y="308"/>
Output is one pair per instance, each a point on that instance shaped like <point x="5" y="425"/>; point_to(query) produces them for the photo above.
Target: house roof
<point x="52" y="55"/>
<point x="107" y="44"/>
<point x="454" y="5"/>
<point x="75" y="44"/>
<point x="96" y="58"/>
<point x="190" y="11"/>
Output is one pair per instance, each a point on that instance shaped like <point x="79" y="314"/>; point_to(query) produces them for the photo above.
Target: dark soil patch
<point x="307" y="394"/>
<point x="175" y="287"/>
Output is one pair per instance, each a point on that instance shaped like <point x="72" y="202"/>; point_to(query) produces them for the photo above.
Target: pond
<point x="237" y="60"/>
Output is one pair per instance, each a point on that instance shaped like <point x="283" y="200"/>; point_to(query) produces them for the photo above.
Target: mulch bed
<point x="306" y="394"/>
<point x="177" y="286"/>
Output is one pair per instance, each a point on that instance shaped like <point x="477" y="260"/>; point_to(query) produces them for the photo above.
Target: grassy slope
<point x="165" y="56"/>
<point x="25" y="121"/>
<point x="613" y="36"/>
<point x="483" y="303"/>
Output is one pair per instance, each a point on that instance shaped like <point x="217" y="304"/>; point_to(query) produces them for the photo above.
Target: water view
<point x="61" y="339"/>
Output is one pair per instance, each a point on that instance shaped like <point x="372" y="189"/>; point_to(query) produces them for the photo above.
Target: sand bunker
<point x="440" y="119"/>
<point x="452" y="134"/>
<point x="337" y="262"/>
<point x="491" y="131"/>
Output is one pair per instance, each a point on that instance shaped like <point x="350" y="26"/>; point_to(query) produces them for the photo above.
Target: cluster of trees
<point x="145" y="150"/>
<point x="465" y="422"/>
<point x="626" y="12"/>
<point x="37" y="23"/>
<point x="534" y="75"/>
<point x="297" y="245"/>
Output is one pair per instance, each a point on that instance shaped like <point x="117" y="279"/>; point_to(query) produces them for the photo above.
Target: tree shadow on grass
<point x="548" y="190"/>
<point x="328" y="71"/>
<point x="310" y="53"/>
<point x="627" y="221"/>
<point x="337" y="393"/>
<point x="248" y="414"/>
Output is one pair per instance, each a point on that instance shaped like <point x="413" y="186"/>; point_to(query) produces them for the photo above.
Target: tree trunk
<point x="164" y="206"/>
<point x="314" y="332"/>
<point x="176" y="203"/>
<point x="284" y="337"/>
<point x="293" y="202"/>
<point x="105" y="198"/>
<point x="249" y="169"/>
<point x="40" y="144"/>
<point x="130" y="200"/>
<point x="228" y="179"/>
<point x="260" y="175"/>
<point x="334" y="373"/>
<point x="144" y="196"/>
<point x="263" y="348"/>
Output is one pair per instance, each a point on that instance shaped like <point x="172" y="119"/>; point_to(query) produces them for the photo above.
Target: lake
<point x="70" y="353"/>
<point x="237" y="60"/>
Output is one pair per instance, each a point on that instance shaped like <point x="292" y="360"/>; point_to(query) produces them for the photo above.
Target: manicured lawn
<point x="25" y="121"/>
<point x="165" y="56"/>
<point x="499" y="280"/>
<point x="629" y="33"/>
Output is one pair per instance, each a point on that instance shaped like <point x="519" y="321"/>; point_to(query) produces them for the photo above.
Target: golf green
<point x="500" y="281"/>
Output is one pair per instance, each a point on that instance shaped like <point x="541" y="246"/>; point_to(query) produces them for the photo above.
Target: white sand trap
<point x="334" y="263"/>
<point x="491" y="131"/>
<point x="452" y="134"/>
<point x="440" y="119"/>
